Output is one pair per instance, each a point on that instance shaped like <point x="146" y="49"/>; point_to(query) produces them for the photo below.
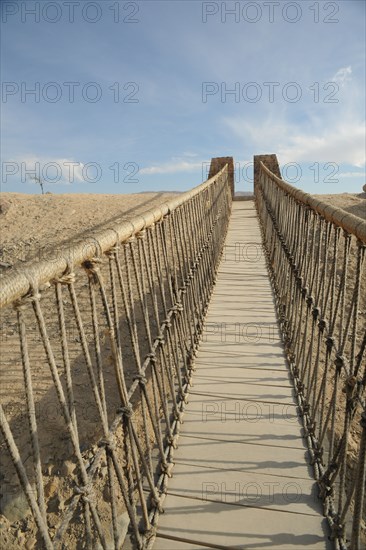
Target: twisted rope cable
<point x="159" y="286"/>
<point x="318" y="291"/>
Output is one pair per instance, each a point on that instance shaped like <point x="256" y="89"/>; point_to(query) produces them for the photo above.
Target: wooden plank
<point x="242" y="477"/>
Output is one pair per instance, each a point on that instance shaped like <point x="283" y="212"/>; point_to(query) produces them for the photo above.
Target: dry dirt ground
<point x="28" y="223"/>
<point x="354" y="203"/>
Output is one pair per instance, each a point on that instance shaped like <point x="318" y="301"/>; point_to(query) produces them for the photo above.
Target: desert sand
<point x="354" y="203"/>
<point x="28" y="223"/>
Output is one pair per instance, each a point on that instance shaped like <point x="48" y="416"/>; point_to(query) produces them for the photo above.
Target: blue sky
<point x="138" y="96"/>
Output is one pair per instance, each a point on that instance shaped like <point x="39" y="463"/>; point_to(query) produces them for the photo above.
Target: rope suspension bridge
<point x="192" y="378"/>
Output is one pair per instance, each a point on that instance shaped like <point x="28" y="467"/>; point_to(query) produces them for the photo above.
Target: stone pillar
<point x="270" y="161"/>
<point x="217" y="164"/>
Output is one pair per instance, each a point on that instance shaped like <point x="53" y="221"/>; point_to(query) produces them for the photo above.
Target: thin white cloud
<point x="343" y="75"/>
<point x="351" y="174"/>
<point x="61" y="171"/>
<point x="190" y="154"/>
<point x="322" y="132"/>
<point x="173" y="167"/>
<point x="343" y="143"/>
<point x="72" y="170"/>
<point x="340" y="142"/>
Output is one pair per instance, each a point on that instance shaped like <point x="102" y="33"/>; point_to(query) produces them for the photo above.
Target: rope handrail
<point x="351" y="223"/>
<point x="316" y="260"/>
<point x="99" y="353"/>
<point x="17" y="282"/>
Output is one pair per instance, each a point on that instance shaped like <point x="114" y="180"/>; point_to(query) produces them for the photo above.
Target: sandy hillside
<point x="30" y="222"/>
<point x="354" y="203"/>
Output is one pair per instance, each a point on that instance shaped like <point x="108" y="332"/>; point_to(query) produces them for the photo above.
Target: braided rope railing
<point x="96" y="366"/>
<point x="316" y="259"/>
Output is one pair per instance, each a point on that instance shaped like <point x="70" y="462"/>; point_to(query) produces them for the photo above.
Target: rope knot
<point x="178" y="415"/>
<point x="319" y="452"/>
<point x="141" y="378"/>
<point x="310" y="430"/>
<point x="337" y="528"/>
<point x="152" y="357"/>
<point x="126" y="411"/>
<point x="150" y="533"/>
<point x="32" y="295"/>
<point x="183" y="397"/>
<point x="304" y="409"/>
<point x="317" y="456"/>
<point x="112" y="252"/>
<point x="156" y="503"/>
<point x="84" y="491"/>
<point x="350" y="389"/>
<point x="330" y="342"/>
<point x="316" y="313"/>
<point x="173" y="440"/>
<point x="92" y="265"/>
<point x="350" y="384"/>
<point x="65" y="279"/>
<point x="295" y="370"/>
<point x="160" y="340"/>
<point x="166" y="468"/>
<point x="340" y="362"/>
<point x="108" y="443"/>
<point x="325" y="488"/>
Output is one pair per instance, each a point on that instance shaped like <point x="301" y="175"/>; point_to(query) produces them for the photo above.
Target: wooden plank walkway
<point x="241" y="478"/>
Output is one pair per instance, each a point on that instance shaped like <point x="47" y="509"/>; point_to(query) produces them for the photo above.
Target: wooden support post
<point x="217" y="164"/>
<point x="270" y="161"/>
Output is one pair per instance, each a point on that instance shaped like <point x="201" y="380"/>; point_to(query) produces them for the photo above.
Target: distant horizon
<point x="337" y="178"/>
<point x="158" y="191"/>
<point x="293" y="173"/>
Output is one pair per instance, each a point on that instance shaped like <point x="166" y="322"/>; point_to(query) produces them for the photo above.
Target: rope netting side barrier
<point x="98" y="354"/>
<point x="316" y="259"/>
